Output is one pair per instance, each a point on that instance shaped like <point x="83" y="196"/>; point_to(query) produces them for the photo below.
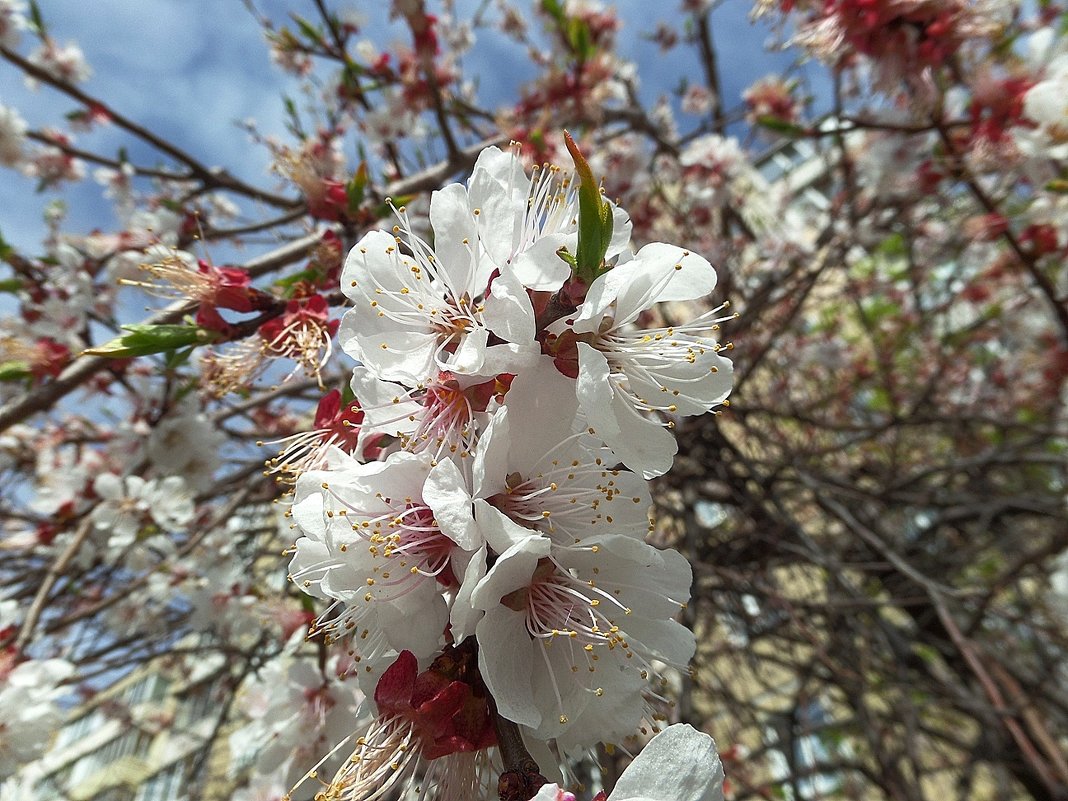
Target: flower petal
<point x="679" y="764"/>
<point x="505" y="660"/>
<point x="642" y="445"/>
<point x="446" y="493"/>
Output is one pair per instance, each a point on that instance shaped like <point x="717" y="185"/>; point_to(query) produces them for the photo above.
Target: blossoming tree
<point x="438" y="462"/>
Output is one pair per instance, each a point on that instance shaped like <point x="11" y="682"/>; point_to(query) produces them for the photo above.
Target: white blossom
<point x="372" y="547"/>
<point x="12" y="22"/>
<point x="591" y="618"/>
<point x="28" y="710"/>
<point x="625" y="372"/>
<point x="12" y="137"/>
<point x="679" y="764"/>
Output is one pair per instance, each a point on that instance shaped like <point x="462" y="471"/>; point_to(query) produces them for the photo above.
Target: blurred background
<point x="877" y="520"/>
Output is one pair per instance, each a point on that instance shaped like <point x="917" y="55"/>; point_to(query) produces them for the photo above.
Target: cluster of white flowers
<point x="296" y="713"/>
<point x="509" y="417"/>
<point x="63" y="62"/>
<point x="12" y="136"/>
<point x="28" y="709"/>
<point x="12" y="22"/>
<point x="1046" y="103"/>
<point x="128" y="504"/>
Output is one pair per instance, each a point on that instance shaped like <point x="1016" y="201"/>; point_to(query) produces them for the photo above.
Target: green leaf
<point x="925" y="652"/>
<point x="1058" y="185"/>
<point x="578" y="36"/>
<point x="348" y="397"/>
<point x="595" y="218"/>
<point x="11" y="285"/>
<point x="311" y="33"/>
<point x="555" y="9"/>
<point x="14" y="371"/>
<point x="143" y="340"/>
<point x="293" y="115"/>
<point x="177" y="358"/>
<point x="893" y="245"/>
<point x="879" y="401"/>
<point x="38" y="21"/>
<point x="779" y="125"/>
<point x="354" y="191"/>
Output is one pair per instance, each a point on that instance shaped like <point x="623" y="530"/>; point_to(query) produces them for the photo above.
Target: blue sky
<point x="189" y="69"/>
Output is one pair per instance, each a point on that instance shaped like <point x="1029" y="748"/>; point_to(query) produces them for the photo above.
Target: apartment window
<point x="152" y="687"/>
<point x="114" y="794"/>
<point x="80" y="728"/>
<point x="84" y="768"/>
<point x="164" y="785"/>
<point x="52" y="787"/>
<point x="805" y="745"/>
<point x="132" y="743"/>
<point x="196" y="704"/>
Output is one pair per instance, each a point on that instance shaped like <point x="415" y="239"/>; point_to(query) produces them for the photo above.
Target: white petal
<point x="697" y="385"/>
<point x="404" y="356"/>
<point x="508" y="311"/>
<point x="416" y="621"/>
<point x="510" y="572"/>
<point x="538" y="267"/>
<point x="642" y="445"/>
<point x="452" y="221"/>
<point x="465" y="617"/>
<point x="500" y="531"/>
<point x="371" y="264"/>
<point x="505" y="660"/>
<point x="489" y="468"/>
<point x="503" y="167"/>
<point x="108" y="486"/>
<point x="669" y="640"/>
<point x="308" y="556"/>
<point x="548" y="792"/>
<point x="657" y="273"/>
<point x="381" y="412"/>
<point x="446" y="493"/>
<point x="544" y="400"/>
<point x="695" y="279"/>
<point x="499" y="188"/>
<point x="469" y="356"/>
<point x="621" y="231"/>
<point x="509" y="357"/>
<point x="679" y="764"/>
<point x="308" y="511"/>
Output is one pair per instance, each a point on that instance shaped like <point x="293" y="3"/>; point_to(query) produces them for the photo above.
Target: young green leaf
<point x="595" y="218"/>
<point x="142" y="340"/>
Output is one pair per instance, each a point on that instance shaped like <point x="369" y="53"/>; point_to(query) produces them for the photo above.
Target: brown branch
<point x="85" y="367"/>
<point x="212" y="178"/>
<point x="56" y="569"/>
<point x="711" y="68"/>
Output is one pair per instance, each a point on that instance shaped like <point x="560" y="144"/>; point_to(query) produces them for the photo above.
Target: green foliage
<point x="595" y="219"/>
<point x="142" y="340"/>
<point x="14" y="371"/>
<point x="356" y="188"/>
<point x="6" y="250"/>
<point x="780" y="126"/>
<point x="574" y="30"/>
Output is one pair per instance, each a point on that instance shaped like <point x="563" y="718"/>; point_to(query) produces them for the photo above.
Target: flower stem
<point x="522" y="777"/>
